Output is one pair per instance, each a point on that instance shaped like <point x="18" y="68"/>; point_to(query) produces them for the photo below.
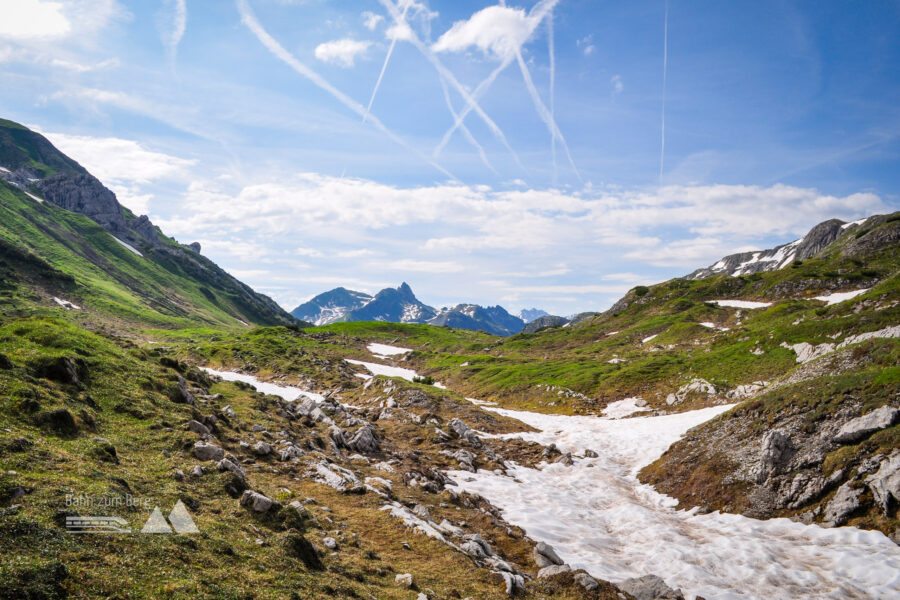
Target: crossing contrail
<point x="387" y="59"/>
<point x="662" y="147"/>
<point x="468" y="134"/>
<point x="543" y="112"/>
<point x="249" y="19"/>
<point x="451" y="79"/>
<point x="537" y="14"/>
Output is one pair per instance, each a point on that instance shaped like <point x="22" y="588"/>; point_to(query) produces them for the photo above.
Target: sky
<point x="550" y="154"/>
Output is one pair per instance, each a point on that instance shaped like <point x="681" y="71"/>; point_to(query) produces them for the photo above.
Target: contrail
<point x="442" y="70"/>
<point x="537" y="14"/>
<point x="544" y="112"/>
<point x="249" y="19"/>
<point x="465" y="130"/>
<point x="387" y="59"/>
<point x="179" y="25"/>
<point x="552" y="50"/>
<point x="662" y="148"/>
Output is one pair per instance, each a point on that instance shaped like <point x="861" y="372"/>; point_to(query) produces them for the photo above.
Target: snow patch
<point x="66" y="304"/>
<point x="649" y="338"/>
<point x="600" y="518"/>
<point x="849" y="225"/>
<point x="35" y="198"/>
<point x="740" y="303"/>
<point x="385" y="370"/>
<point x="129" y="246"/>
<point x="386" y="350"/>
<point x="840" y="296"/>
<point x="286" y="392"/>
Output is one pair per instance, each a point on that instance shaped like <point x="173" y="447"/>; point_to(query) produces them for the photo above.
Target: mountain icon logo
<point x="180" y="519"/>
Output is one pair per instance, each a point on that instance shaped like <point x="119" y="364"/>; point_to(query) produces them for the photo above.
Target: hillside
<point x="63" y="234"/>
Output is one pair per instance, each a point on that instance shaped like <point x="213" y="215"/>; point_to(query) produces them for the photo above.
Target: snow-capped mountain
<point x="400" y="305"/>
<point x="492" y="319"/>
<point x="744" y="263"/>
<point x="530" y="314"/>
<point x="331" y="306"/>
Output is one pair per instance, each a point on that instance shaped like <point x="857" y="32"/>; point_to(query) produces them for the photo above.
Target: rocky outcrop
<point x="84" y="194"/>
<point x="863" y="426"/>
<point x="844" y="503"/>
<point x="885" y="483"/>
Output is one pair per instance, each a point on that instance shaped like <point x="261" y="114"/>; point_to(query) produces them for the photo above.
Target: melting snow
<point x="600" y="518"/>
<point x="740" y="303"/>
<point x="377" y="369"/>
<point x="287" y="392"/>
<point x="386" y="350"/>
<point x="66" y="304"/>
<point x="841" y="296"/>
<point x="35" y="198"/>
<point x="129" y="246"/>
<point x="848" y="225"/>
<point x="649" y="338"/>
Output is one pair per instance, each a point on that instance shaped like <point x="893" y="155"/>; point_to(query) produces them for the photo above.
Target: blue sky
<point x="244" y="125"/>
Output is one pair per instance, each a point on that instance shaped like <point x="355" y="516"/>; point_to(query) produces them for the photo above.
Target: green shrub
<point x="427" y="380"/>
<point x="641" y="290"/>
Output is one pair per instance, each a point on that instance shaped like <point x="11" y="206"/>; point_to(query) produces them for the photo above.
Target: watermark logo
<point x="179" y="521"/>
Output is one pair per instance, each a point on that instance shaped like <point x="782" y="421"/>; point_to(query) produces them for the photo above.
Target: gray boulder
<point x="863" y="426"/>
<point x="364" y="440"/>
<point x="257" y="502"/>
<point x="553" y="570"/>
<point x="204" y="451"/>
<point x="842" y="505"/>
<point x="774" y="453"/>
<point x="261" y="448"/>
<point x="885" y="483"/>
<point x="650" y="587"/>
<point x="545" y="556"/>
<point x="464" y="432"/>
<point x="198" y="427"/>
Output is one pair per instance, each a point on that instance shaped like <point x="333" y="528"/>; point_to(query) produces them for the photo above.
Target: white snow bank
<point x="386" y="350"/>
<point x="35" y="198"/>
<point x="830" y="299"/>
<point x="287" y="392"/>
<point x="740" y="303"/>
<point x="386" y="370"/>
<point x="649" y="338"/>
<point x="129" y="246"/>
<point x="708" y="324"/>
<point x="600" y="518"/>
<point x="623" y="408"/>
<point x="66" y="304"/>
<point x="860" y="222"/>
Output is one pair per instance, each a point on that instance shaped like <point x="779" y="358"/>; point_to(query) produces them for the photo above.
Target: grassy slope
<point x="110" y="282"/>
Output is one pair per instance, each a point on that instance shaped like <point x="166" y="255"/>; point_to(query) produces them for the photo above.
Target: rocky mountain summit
<point x="400" y="305"/>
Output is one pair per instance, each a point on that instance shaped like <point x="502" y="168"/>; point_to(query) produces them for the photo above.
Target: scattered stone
<point x="228" y="411"/>
<point x="586" y="581"/>
<point x="545" y="556"/>
<point x="843" y="504"/>
<point x="421" y="512"/>
<point x="204" y="451"/>
<point x="590" y="454"/>
<point x="330" y="543"/>
<point x="198" y="427"/>
<point x="197" y="471"/>
<point x="181" y="394"/>
<point x="178" y="475"/>
<point x="863" y="426"/>
<point x="515" y="583"/>
<point x="404" y="580"/>
<point x="261" y="448"/>
<point x="257" y="502"/>
<point x="464" y="432"/>
<point x="650" y="587"/>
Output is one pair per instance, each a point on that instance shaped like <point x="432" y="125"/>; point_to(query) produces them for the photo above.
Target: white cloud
<point x="117" y="160"/>
<point x="586" y="45"/>
<point x="342" y="53"/>
<point x="24" y="19"/>
<point x="371" y="20"/>
<point x="174" y="30"/>
<point x="496" y="30"/>
<point x="355" y="253"/>
<point x="617" y="85"/>
<point x="428" y="266"/>
<point x="311" y="252"/>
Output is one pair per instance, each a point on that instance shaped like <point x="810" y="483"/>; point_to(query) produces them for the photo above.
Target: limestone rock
<point x="863" y="426"/>
<point x="650" y="587"/>
<point x="545" y="556"/>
